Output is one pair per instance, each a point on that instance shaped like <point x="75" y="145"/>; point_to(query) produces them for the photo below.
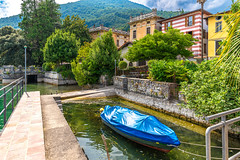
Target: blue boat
<point x="143" y="129"/>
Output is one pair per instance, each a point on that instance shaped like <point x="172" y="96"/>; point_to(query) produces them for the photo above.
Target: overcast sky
<point x="12" y="7"/>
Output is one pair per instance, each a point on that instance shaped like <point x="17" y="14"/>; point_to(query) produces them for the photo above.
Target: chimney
<point x="94" y="26"/>
<point x="141" y="13"/>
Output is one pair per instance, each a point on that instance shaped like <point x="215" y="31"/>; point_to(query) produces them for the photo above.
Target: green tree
<point x="161" y="46"/>
<point x="39" y="20"/>
<point x="99" y="60"/>
<point x="61" y="47"/>
<point x="77" y="26"/>
<point x="12" y="47"/>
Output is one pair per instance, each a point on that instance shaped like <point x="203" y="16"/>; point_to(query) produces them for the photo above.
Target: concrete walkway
<point x="22" y="137"/>
<point x="104" y="92"/>
<point x="60" y="142"/>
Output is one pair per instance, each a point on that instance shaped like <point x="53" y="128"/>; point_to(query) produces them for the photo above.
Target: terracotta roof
<point x="217" y="14"/>
<point x="102" y="28"/>
<point x="124" y="45"/>
<point x="204" y="11"/>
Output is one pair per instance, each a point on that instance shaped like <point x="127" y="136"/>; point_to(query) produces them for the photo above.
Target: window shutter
<point x="193" y="19"/>
<point x="186" y="21"/>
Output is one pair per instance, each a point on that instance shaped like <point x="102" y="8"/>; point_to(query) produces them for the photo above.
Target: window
<point x="134" y="34"/>
<point x="148" y="22"/>
<point x="148" y="30"/>
<point x="217" y="47"/>
<point x="130" y="64"/>
<point x="218" y="18"/>
<point x="205" y="48"/>
<point x="218" y="26"/>
<point x="118" y="43"/>
<point x="134" y="25"/>
<point x="189" y="21"/>
<point x="117" y="35"/>
<point x="190" y="33"/>
<point x="168" y="24"/>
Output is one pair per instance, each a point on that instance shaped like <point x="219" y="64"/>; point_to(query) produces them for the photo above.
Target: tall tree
<point x="61" y="47"/>
<point x="161" y="46"/>
<point x="77" y="26"/>
<point x="12" y="47"/>
<point x="96" y="60"/>
<point x="39" y="20"/>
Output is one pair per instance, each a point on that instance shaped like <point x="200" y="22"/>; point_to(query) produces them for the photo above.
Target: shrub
<point x="47" y="66"/>
<point x="122" y="65"/>
<point x="209" y="91"/>
<point x="167" y="71"/>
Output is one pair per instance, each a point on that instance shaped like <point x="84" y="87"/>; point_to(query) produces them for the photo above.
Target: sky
<point x="12" y="7"/>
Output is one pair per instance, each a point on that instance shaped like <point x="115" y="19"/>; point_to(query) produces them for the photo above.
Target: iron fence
<point x="18" y="86"/>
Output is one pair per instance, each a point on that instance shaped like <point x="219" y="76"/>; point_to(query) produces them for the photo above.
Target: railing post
<point x="22" y="87"/>
<point x="12" y="99"/>
<point x="4" y="105"/>
<point x="17" y="91"/>
<point x="224" y="139"/>
<point x="208" y="144"/>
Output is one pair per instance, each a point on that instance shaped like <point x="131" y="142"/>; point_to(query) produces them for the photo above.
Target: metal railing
<point x="18" y="84"/>
<point x="224" y="125"/>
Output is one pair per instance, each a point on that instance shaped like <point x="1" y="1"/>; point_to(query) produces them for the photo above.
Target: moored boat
<point x="143" y="129"/>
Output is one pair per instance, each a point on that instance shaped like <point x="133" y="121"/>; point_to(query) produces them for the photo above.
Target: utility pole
<point x="202" y="3"/>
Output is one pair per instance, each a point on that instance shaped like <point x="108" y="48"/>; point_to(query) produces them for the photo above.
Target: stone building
<point x="144" y="24"/>
<point x="120" y="37"/>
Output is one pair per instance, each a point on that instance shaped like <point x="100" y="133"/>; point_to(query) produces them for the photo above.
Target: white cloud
<point x="187" y="5"/>
<point x="214" y="4"/>
<point x="10" y="7"/>
<point x="65" y="1"/>
<point x="13" y="7"/>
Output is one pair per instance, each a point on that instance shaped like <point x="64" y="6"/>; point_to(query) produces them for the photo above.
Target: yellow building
<point x="144" y="24"/>
<point x="217" y="31"/>
<point x="120" y="37"/>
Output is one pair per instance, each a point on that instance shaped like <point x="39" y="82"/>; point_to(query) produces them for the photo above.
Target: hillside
<point x="110" y="13"/>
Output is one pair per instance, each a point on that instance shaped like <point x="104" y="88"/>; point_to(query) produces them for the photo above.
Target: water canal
<point x="84" y="119"/>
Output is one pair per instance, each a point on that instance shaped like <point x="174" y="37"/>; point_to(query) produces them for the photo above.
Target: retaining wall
<point x="160" y="96"/>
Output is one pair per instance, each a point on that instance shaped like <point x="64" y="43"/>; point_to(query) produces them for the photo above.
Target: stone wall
<point x="57" y="79"/>
<point x="161" y="96"/>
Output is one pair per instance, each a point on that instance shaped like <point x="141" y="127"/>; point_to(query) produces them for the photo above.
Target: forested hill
<point x="110" y="13"/>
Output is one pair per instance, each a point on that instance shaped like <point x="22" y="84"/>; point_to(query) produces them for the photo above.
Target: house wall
<point x="213" y="35"/>
<point x="179" y="23"/>
<point x="116" y="36"/>
<point x="141" y="28"/>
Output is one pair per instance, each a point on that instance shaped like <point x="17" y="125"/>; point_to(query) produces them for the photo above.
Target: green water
<point x="84" y="119"/>
<point x="42" y="87"/>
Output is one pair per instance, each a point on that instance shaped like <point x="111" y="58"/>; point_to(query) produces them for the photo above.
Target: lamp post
<point x="202" y="3"/>
<point x="115" y="67"/>
<point x="25" y="47"/>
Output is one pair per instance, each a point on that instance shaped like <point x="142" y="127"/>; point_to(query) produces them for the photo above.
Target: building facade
<point x="120" y="37"/>
<point x="144" y="24"/>
<point x="217" y="31"/>
<point x="190" y="23"/>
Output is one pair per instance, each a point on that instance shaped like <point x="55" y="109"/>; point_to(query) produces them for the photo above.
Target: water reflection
<point x="84" y="119"/>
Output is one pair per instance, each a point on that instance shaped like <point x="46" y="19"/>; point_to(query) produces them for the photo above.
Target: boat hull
<point x="155" y="145"/>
